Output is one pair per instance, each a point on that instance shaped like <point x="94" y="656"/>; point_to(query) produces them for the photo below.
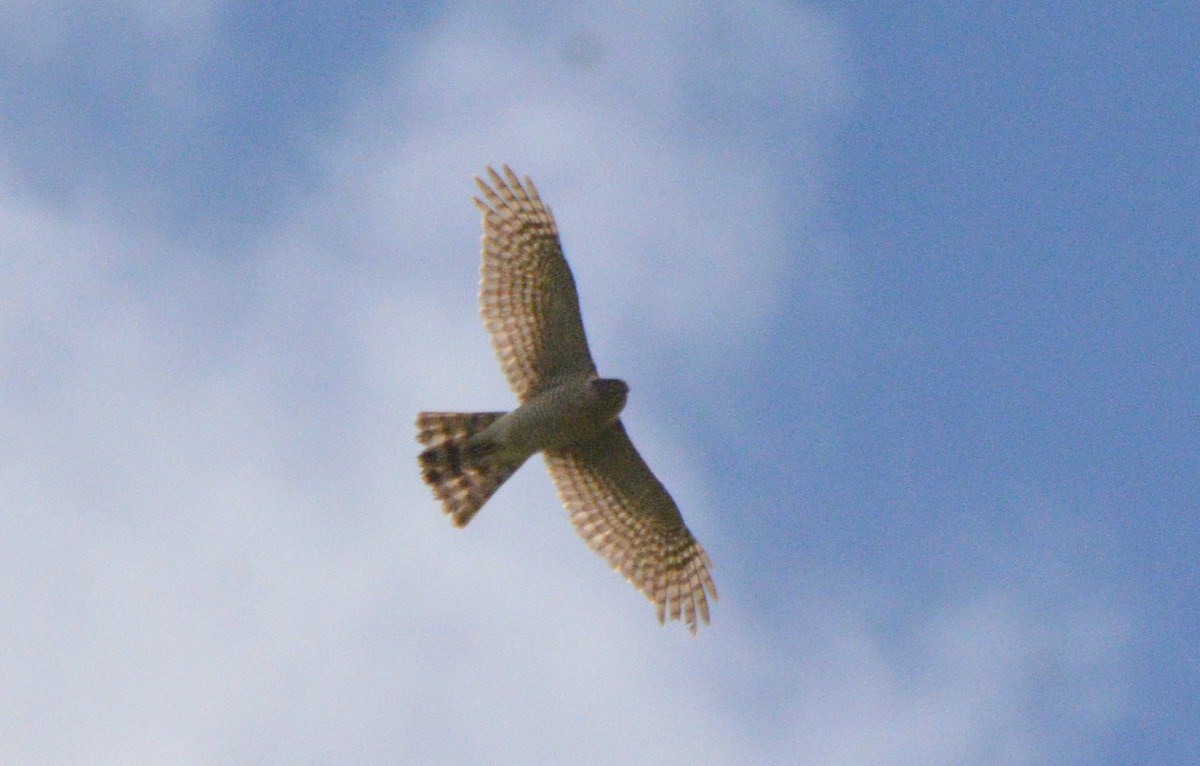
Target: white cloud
<point x="219" y="550"/>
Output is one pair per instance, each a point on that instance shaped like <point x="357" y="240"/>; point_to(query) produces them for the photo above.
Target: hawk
<point x="567" y="412"/>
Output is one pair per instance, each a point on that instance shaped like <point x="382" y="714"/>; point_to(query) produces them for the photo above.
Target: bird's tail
<point x="462" y="470"/>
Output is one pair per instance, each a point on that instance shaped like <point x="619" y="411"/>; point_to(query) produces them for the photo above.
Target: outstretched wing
<point x="527" y="295"/>
<point x="624" y="513"/>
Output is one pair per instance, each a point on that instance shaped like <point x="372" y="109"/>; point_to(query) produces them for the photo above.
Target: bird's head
<point x="610" y="395"/>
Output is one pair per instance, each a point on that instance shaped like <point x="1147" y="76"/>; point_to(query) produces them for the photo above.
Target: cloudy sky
<point x="908" y="301"/>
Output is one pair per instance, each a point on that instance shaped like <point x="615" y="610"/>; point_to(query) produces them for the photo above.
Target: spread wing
<point x="624" y="513"/>
<point x="527" y="295"/>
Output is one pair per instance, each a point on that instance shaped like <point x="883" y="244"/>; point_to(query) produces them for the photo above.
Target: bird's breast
<point x="558" y="417"/>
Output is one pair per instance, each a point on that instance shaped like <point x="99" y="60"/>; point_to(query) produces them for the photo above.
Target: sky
<point x="906" y="296"/>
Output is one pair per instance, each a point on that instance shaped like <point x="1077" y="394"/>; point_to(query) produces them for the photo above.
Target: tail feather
<point x="462" y="471"/>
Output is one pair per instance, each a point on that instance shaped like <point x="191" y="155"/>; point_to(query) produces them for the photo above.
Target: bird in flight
<point x="566" y="411"/>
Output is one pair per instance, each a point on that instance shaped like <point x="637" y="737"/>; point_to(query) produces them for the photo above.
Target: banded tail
<point x="463" y="472"/>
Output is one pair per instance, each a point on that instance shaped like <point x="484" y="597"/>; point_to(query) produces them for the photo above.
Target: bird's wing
<point x="626" y="515"/>
<point x="527" y="295"/>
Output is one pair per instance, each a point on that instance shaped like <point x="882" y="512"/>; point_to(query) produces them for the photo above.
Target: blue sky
<point x="907" y="299"/>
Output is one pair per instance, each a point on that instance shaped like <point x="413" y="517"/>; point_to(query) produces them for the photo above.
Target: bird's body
<point x="567" y="411"/>
<point x="575" y="410"/>
<point x="496" y="444"/>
